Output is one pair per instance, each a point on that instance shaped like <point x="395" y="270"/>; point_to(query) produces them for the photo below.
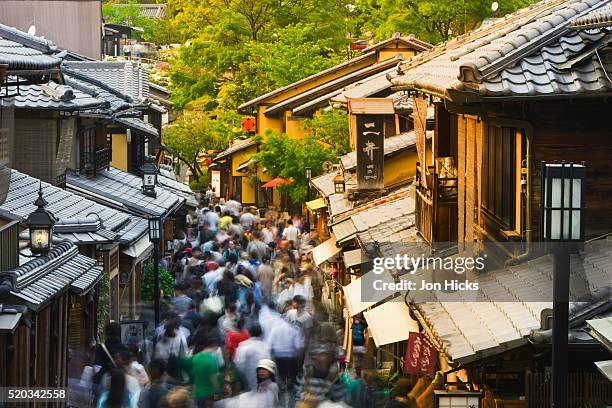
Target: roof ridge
<point x="23" y="38"/>
<point x="87" y="78"/>
<point x="478" y="33"/>
<point x="540" y="41"/>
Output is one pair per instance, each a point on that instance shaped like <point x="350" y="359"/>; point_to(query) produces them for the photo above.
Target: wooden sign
<point x="370" y="152"/>
<point x="421" y="356"/>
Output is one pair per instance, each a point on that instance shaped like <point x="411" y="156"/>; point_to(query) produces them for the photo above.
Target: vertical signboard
<point x="215" y="180"/>
<point x="421" y="356"/>
<point x="370" y="152"/>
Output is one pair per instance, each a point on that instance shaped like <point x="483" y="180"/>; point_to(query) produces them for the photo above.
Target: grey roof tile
<point x="125" y="188"/>
<point x="521" y="55"/>
<point x="39" y="280"/>
<point x="22" y="51"/>
<point x="35" y="97"/>
<point x="65" y="205"/>
<point x="125" y="77"/>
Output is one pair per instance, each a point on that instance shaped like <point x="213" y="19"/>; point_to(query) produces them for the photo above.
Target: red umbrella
<point x="275" y="182"/>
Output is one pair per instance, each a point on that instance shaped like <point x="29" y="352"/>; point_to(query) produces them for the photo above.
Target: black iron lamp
<point x="563" y="188"/>
<point x="149" y="177"/>
<point x="563" y="192"/>
<point x="40" y="223"/>
<point x="339" y="184"/>
<point x="308" y="173"/>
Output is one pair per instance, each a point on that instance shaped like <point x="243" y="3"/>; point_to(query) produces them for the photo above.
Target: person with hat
<point x="265" y="395"/>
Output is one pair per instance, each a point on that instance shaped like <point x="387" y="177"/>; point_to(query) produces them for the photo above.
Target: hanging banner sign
<point x="421" y="356"/>
<point x="370" y="152"/>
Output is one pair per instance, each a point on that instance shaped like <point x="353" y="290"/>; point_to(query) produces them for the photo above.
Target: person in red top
<point x="234" y="338"/>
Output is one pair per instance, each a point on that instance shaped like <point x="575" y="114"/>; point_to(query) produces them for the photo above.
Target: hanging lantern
<point x="40" y="223"/>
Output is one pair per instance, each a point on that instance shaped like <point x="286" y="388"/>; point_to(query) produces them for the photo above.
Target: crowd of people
<point x="244" y="326"/>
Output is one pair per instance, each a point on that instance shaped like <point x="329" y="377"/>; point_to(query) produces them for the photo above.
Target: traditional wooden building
<point x="38" y="306"/>
<point x="528" y="88"/>
<point x="283" y="110"/>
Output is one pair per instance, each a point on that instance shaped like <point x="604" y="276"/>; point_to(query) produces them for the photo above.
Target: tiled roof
<point x="393" y="145"/>
<point x="387" y="216"/>
<point x="22" y="51"/>
<point x="116" y="187"/>
<point x="117" y="101"/>
<point x="126" y="77"/>
<point x="503" y="312"/>
<point x="67" y="206"/>
<point x="332" y="85"/>
<point x="40" y="279"/>
<point x="410" y="40"/>
<point x="236" y="147"/>
<point x="148" y="10"/>
<point x="599" y="17"/>
<point x="336" y="68"/>
<point x="35" y="97"/>
<point x="532" y="52"/>
<point x="367" y="87"/>
<point x="139" y="125"/>
<point x="180" y="189"/>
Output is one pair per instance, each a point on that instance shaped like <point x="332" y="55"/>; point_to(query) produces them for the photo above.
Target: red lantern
<point x="248" y="124"/>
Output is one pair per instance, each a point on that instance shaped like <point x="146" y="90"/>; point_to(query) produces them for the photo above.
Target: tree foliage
<point x="330" y="128"/>
<point x="195" y="133"/>
<point x="288" y="158"/>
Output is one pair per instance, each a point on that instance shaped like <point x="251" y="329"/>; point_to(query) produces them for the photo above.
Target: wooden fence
<point x="585" y="390"/>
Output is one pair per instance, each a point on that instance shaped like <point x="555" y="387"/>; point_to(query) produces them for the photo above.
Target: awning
<point x="139" y="249"/>
<point x="345" y="230"/>
<point x="242" y="167"/>
<point x="605" y="367"/>
<point x="9" y="322"/>
<point x="601" y="330"/>
<point x="317" y="204"/>
<point x="324" y="251"/>
<point x="390" y="322"/>
<point x="364" y="287"/>
<point x="355" y="257"/>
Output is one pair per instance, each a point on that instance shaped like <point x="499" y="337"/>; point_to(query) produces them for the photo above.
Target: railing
<point x="9" y="245"/>
<point x="60" y="180"/>
<point x="95" y="162"/>
<point x="584" y="390"/>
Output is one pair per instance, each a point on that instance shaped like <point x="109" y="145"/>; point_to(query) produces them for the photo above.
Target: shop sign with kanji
<point x="421" y="356"/>
<point x="370" y="152"/>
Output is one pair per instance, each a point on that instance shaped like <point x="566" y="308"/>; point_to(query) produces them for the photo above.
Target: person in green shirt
<point x="203" y="368"/>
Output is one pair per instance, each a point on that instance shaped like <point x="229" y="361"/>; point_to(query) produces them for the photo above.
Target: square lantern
<point x="308" y="173"/>
<point x="563" y="192"/>
<point x="40" y="223"/>
<point x="457" y="399"/>
<point x="154" y="228"/>
<point x="149" y="178"/>
<point x="339" y="184"/>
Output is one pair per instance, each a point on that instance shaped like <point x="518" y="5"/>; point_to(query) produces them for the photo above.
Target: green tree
<point x="196" y="133"/>
<point x="288" y="158"/>
<point x="330" y="128"/>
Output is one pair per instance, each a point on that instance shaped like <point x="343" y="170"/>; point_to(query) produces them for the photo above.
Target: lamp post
<point x="149" y="177"/>
<point x="40" y="223"/>
<point x="155" y="237"/>
<point x="563" y="192"/>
